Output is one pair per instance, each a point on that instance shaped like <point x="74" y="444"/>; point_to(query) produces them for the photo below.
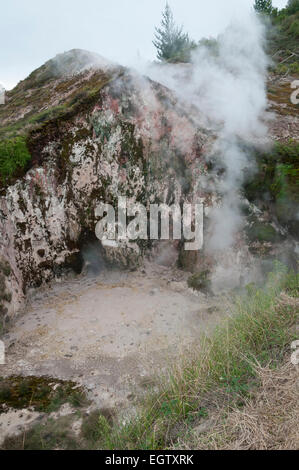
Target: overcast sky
<point x="33" y="31"/>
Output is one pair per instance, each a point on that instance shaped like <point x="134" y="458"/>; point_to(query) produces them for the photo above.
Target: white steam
<point x="228" y="87"/>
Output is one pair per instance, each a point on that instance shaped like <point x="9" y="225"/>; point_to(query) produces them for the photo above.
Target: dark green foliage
<point x="14" y="156"/>
<point x="283" y="38"/>
<point x="288" y="24"/>
<point x="263" y="6"/>
<point x="276" y="183"/>
<point x="172" y="44"/>
<point x="292" y="6"/>
<point x="280" y="169"/>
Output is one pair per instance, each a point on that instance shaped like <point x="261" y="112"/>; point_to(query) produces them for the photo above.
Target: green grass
<point x="288" y="23"/>
<point x="14" y="157"/>
<point x="284" y="39"/>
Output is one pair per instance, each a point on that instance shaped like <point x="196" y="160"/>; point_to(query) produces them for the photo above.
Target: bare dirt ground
<point x="109" y="333"/>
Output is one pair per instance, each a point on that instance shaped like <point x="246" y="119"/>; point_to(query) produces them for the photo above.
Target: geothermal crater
<point x="91" y="137"/>
<point x="112" y="333"/>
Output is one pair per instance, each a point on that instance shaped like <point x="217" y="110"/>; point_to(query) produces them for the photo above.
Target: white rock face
<point x="130" y="141"/>
<point x="131" y="138"/>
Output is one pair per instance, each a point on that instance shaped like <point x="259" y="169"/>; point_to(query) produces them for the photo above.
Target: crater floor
<point x="113" y="333"/>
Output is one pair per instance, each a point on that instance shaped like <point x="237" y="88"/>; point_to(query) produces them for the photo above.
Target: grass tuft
<point x="223" y="370"/>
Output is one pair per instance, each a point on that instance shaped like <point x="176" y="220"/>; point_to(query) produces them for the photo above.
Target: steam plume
<point x="228" y="86"/>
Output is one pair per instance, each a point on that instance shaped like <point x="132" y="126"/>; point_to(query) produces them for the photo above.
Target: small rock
<point x="204" y="427"/>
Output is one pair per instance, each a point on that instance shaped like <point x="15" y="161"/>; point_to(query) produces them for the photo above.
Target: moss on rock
<point x="43" y="394"/>
<point x="262" y="232"/>
<point x="275" y="185"/>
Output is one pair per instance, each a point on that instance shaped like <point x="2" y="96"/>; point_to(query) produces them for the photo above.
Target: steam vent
<point x="177" y="327"/>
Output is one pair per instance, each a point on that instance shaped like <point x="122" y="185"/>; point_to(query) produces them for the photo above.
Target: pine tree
<point x="171" y="43"/>
<point x="263" y="6"/>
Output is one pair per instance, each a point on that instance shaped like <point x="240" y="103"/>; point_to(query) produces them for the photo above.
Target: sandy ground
<point x="113" y="333"/>
<point x="16" y="421"/>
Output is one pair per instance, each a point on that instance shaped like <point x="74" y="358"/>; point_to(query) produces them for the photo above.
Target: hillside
<point x="284" y="39"/>
<point x="139" y="343"/>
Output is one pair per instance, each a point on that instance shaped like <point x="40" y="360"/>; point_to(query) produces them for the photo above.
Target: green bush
<point x="277" y="174"/>
<point x="283" y="69"/>
<point x="262" y="232"/>
<point x="276" y="184"/>
<point x="292" y="6"/>
<point x="14" y="156"/>
<point x="294" y="67"/>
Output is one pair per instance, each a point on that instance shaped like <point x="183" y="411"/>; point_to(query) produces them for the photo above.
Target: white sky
<point x="33" y="31"/>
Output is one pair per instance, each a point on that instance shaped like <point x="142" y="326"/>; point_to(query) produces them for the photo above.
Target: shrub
<point x="294" y="28"/>
<point x="292" y="6"/>
<point x="14" y="156"/>
<point x="200" y="281"/>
